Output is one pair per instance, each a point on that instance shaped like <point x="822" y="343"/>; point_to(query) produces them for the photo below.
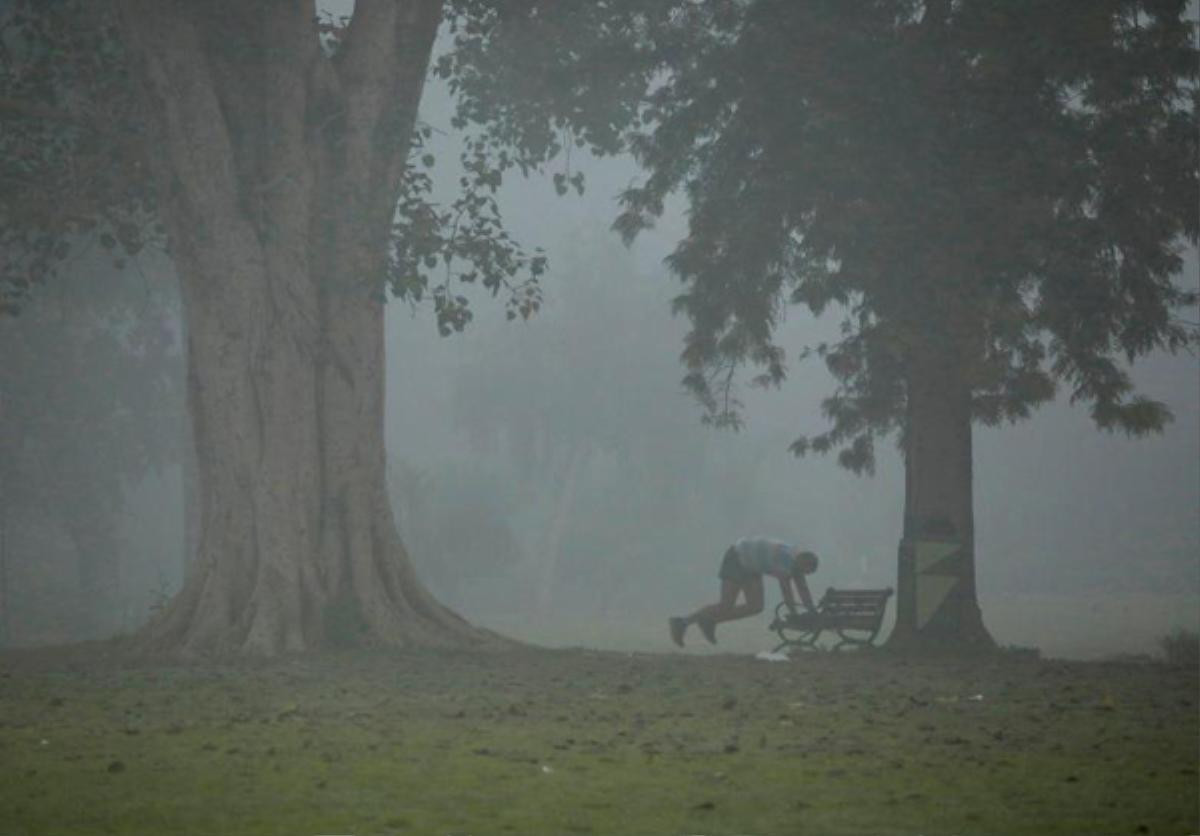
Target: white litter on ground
<point x="771" y="656"/>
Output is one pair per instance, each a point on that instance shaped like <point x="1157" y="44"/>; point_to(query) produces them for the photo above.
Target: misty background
<point x="552" y="480"/>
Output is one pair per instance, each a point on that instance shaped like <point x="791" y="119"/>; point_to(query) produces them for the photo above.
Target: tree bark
<point x="937" y="607"/>
<point x="5" y="620"/>
<point x="279" y="169"/>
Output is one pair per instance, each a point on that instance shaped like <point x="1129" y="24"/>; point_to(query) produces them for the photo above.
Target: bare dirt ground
<point x="577" y="741"/>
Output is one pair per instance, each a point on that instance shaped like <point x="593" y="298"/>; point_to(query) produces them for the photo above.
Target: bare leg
<point x="727" y="609"/>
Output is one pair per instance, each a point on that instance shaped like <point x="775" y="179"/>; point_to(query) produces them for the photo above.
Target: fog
<point x="553" y="481"/>
<point x="1088" y="543"/>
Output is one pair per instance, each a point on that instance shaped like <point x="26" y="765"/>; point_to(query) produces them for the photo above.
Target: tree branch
<point x="191" y="148"/>
<point x="382" y="65"/>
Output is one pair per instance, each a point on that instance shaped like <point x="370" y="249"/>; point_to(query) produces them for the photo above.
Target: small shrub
<point x="1181" y="648"/>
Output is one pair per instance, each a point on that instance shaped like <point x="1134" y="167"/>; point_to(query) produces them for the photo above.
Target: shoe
<point x="678" y="626"/>
<point x="709" y="630"/>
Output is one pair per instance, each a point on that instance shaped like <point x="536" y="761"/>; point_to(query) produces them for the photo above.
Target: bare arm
<point x="802" y="588"/>
<point x="785" y="589"/>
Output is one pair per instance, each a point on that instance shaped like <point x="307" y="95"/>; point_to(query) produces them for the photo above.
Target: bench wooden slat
<point x="839" y="610"/>
<point x="830" y="620"/>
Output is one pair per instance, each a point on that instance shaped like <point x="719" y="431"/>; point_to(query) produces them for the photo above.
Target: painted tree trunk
<point x="937" y="607"/>
<point x="279" y="170"/>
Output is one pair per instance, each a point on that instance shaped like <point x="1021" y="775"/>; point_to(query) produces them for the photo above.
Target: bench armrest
<point x="799" y="620"/>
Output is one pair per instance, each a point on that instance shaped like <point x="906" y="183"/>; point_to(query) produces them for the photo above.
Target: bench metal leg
<point x="803" y="641"/>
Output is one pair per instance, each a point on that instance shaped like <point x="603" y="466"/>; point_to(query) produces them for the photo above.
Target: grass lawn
<point x="575" y="741"/>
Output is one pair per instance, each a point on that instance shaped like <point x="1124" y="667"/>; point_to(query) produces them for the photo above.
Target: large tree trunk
<point x="279" y="171"/>
<point x="937" y="606"/>
<point x="5" y="619"/>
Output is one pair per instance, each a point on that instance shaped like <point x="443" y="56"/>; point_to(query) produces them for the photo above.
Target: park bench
<point x="855" y="615"/>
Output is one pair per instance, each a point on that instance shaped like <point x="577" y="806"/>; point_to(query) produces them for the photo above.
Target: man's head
<point x="806" y="563"/>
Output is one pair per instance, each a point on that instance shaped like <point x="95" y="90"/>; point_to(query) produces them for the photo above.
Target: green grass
<point x="578" y="742"/>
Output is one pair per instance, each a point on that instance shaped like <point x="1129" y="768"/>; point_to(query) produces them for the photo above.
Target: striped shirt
<point x="766" y="557"/>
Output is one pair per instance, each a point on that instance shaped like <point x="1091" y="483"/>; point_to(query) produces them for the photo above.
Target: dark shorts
<point x="732" y="569"/>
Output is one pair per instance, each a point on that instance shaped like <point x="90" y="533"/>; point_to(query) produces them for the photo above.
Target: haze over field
<point x="552" y="479"/>
<point x="599" y="417"/>
<point x="1088" y="543"/>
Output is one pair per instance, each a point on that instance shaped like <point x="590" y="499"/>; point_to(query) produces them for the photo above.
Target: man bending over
<point x="741" y="573"/>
